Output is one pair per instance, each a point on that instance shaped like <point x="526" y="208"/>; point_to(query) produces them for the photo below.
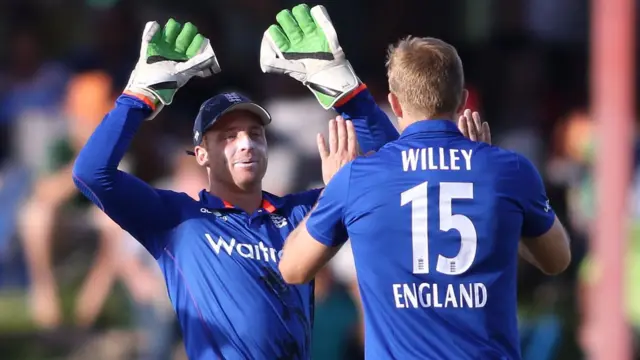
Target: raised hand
<point x="472" y="127"/>
<point x="343" y="147"/>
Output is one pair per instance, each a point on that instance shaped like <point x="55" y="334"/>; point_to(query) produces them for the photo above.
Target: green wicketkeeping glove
<point x="168" y="59"/>
<point x="305" y="46"/>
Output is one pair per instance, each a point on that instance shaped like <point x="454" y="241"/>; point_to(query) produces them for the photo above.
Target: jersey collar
<point x="430" y="126"/>
<point x="270" y="202"/>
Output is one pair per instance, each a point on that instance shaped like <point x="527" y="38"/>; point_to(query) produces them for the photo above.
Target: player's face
<point x="237" y="150"/>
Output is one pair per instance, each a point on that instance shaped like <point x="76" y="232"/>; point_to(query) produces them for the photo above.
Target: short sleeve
<point x="307" y="199"/>
<point x="538" y="214"/>
<point x="326" y="221"/>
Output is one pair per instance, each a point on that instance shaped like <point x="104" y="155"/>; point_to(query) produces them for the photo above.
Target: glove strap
<point x="148" y="98"/>
<point x="143" y="96"/>
<point x="348" y="96"/>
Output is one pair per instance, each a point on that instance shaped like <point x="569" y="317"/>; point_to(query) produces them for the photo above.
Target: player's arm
<point x="168" y="59"/>
<point x="320" y="235"/>
<point x="304" y="45"/>
<point x="544" y="243"/>
<point x="131" y="203"/>
<point x="373" y="127"/>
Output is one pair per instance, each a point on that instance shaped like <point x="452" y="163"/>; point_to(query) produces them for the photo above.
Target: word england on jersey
<point x="436" y="159"/>
<point x="425" y="295"/>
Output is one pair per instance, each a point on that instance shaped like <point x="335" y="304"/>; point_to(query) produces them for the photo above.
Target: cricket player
<point x="219" y="254"/>
<point x="436" y="221"/>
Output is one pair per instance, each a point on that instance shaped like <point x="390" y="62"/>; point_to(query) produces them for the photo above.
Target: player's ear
<point x="463" y="101"/>
<point x="202" y="156"/>
<point x="395" y="105"/>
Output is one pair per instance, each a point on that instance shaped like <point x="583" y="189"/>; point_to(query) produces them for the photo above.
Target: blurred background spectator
<point x="74" y="286"/>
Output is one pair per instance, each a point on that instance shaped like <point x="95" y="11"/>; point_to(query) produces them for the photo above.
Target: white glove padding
<point x="168" y="60"/>
<point x="304" y="45"/>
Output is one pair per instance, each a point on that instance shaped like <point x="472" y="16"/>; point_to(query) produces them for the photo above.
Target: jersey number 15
<point x="417" y="197"/>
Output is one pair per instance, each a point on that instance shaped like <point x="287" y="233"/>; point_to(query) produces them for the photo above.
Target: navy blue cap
<point x="212" y="109"/>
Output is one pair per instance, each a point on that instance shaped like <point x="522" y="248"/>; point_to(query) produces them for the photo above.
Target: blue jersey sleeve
<point x="373" y="127"/>
<point x="326" y="221"/>
<point x="134" y="205"/>
<point x="306" y="199"/>
<point x="538" y="214"/>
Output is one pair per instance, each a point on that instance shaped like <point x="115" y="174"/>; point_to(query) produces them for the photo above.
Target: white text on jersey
<point x="426" y="295"/>
<point x="436" y="159"/>
<point x="250" y="251"/>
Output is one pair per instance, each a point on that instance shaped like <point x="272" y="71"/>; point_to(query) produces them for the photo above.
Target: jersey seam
<point x="521" y="201"/>
<point x="344" y="208"/>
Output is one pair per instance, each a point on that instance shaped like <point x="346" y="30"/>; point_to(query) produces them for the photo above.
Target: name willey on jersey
<point x="438" y="295"/>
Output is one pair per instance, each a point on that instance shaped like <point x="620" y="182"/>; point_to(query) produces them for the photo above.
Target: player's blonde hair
<point x="426" y="75"/>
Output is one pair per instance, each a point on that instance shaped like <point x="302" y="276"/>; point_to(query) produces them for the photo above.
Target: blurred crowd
<point x="75" y="286"/>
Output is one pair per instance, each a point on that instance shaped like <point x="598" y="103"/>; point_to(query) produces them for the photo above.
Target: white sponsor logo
<point x="250" y="251"/>
<point x="547" y="206"/>
<point x="278" y="220"/>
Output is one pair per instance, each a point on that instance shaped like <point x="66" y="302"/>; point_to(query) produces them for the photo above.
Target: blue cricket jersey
<point x="219" y="262"/>
<point x="434" y="221"/>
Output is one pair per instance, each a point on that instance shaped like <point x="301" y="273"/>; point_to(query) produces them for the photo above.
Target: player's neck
<point x="247" y="200"/>
<point x="409" y="119"/>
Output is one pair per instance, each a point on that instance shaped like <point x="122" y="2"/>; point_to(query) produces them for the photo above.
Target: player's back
<point x="434" y="220"/>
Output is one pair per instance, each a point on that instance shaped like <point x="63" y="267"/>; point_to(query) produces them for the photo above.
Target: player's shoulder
<point x="511" y="168"/>
<point x="176" y="199"/>
<point x="525" y="168"/>
<point x="505" y="156"/>
<point x="304" y="198"/>
<point x="296" y="205"/>
<point x="511" y="160"/>
<point x="172" y="194"/>
<point x="495" y="157"/>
